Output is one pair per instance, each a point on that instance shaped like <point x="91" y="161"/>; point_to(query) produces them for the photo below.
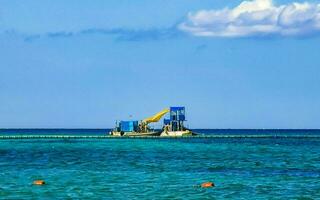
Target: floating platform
<point x="4" y="137"/>
<point x="185" y="133"/>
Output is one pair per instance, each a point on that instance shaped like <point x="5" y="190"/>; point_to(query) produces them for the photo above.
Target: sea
<point x="240" y="167"/>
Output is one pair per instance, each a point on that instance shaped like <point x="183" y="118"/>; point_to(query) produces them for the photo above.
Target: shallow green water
<point x="160" y="169"/>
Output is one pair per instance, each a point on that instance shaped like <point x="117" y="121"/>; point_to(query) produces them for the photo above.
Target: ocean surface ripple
<point x="161" y="169"/>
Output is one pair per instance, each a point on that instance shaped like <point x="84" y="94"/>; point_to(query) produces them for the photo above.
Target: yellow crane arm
<point x="156" y="117"/>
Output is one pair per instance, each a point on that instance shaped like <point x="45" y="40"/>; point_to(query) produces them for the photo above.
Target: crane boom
<point x="156" y="117"/>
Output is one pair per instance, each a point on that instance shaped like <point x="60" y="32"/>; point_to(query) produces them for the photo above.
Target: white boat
<point x="166" y="133"/>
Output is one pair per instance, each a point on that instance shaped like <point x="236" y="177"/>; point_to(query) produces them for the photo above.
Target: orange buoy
<point x="39" y="182"/>
<point x="207" y="185"/>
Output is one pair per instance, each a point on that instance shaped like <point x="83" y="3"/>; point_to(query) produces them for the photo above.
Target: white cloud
<point x="255" y="18"/>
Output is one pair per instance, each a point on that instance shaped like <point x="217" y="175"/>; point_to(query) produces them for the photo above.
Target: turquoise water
<point x="161" y="169"/>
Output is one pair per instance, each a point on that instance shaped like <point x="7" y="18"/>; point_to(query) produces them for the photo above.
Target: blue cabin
<point x="128" y="126"/>
<point x="177" y="117"/>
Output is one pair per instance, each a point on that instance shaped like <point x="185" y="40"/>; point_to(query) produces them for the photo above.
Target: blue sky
<point x="85" y="64"/>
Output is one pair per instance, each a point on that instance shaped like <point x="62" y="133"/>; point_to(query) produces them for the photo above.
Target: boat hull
<point x="116" y="133"/>
<point x="176" y="133"/>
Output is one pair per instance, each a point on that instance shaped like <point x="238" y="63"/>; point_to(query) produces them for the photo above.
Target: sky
<point x="232" y="64"/>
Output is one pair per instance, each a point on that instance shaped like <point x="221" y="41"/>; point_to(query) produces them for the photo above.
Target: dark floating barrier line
<point x="2" y="137"/>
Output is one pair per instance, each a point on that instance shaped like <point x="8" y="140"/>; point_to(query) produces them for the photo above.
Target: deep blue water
<point x="241" y="168"/>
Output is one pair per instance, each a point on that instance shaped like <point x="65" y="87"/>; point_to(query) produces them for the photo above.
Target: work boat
<point x="138" y="128"/>
<point x="174" y="127"/>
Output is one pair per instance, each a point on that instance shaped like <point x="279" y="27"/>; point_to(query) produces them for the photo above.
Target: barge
<point x="172" y="126"/>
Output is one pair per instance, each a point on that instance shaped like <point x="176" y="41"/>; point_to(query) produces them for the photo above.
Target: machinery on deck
<point x="136" y="128"/>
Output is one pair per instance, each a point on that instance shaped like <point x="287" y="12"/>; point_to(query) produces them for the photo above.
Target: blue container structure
<point x="177" y="114"/>
<point x="177" y="117"/>
<point x="128" y="126"/>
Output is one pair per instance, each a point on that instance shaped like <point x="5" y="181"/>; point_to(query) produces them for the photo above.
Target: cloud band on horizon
<point x="255" y="18"/>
